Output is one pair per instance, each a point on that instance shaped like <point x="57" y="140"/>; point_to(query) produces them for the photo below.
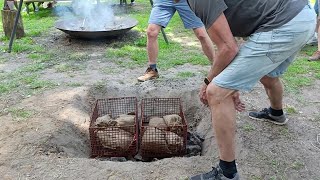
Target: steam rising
<point x="88" y="15"/>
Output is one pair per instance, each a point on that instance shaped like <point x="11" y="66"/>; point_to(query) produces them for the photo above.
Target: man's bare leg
<point x="274" y="90"/>
<point x="153" y="50"/>
<point x="316" y="54"/>
<point x="222" y="106"/>
<point x="152" y="43"/>
<point x="223" y="118"/>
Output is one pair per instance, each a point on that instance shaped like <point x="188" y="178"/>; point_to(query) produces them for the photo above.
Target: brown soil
<point x="54" y="142"/>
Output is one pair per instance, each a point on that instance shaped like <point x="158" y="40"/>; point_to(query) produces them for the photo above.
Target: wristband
<point x="206" y="80"/>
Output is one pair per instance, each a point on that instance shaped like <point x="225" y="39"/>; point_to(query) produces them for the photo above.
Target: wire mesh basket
<point x="163" y="128"/>
<point x="113" y="127"/>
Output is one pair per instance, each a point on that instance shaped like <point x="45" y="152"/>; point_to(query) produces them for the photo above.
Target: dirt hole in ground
<point x="71" y="139"/>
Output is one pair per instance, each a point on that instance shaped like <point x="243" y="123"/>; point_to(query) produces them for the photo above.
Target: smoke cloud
<point x="88" y="15"/>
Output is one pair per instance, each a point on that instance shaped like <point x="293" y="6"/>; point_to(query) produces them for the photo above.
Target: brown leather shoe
<point x="315" y="56"/>
<point x="149" y="74"/>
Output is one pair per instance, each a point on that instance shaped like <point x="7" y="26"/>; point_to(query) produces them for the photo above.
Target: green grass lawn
<point x="302" y="72"/>
<point x="27" y="79"/>
<point x="170" y="55"/>
<point x="35" y="24"/>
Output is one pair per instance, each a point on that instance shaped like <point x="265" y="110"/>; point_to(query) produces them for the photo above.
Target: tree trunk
<point x="8" y="18"/>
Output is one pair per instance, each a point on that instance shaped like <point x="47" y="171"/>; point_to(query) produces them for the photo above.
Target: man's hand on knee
<point x="235" y="95"/>
<point x="203" y="94"/>
<point x="238" y="105"/>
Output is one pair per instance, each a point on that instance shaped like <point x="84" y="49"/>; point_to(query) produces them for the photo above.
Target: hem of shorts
<point x="232" y="87"/>
<point x="157" y="23"/>
<point x="195" y="27"/>
<point x="275" y="75"/>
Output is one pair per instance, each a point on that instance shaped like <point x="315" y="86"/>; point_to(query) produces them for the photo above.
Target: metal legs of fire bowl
<point x="15" y="26"/>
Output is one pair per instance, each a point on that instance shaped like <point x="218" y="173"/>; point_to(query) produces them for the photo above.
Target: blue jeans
<point x="268" y="53"/>
<point x="163" y="10"/>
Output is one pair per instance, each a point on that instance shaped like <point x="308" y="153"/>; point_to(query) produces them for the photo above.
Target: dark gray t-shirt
<point x="248" y="16"/>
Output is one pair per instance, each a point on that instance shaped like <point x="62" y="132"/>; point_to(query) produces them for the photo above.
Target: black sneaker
<point x="266" y="115"/>
<point x="214" y="174"/>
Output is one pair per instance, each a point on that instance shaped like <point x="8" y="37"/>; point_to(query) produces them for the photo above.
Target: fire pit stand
<point x="15" y="26"/>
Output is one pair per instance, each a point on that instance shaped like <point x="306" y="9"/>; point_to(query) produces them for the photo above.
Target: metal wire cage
<point x="162" y="140"/>
<point x="114" y="141"/>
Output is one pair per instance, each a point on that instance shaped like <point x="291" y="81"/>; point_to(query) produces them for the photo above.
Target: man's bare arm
<point x="221" y="35"/>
